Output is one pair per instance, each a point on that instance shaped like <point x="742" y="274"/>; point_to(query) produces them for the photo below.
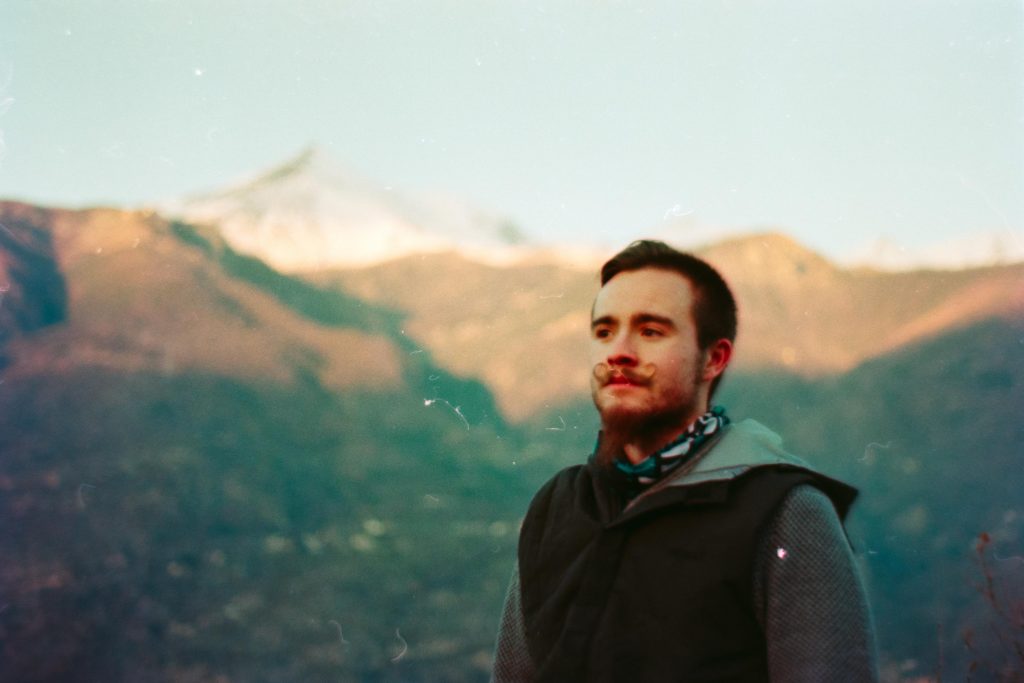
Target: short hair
<point x="714" y="307"/>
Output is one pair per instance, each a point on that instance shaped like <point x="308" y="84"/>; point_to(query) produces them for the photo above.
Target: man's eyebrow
<point x="636" y="319"/>
<point x="641" y="318"/>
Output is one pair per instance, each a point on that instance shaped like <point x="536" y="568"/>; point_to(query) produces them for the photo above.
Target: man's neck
<point x="638" y="449"/>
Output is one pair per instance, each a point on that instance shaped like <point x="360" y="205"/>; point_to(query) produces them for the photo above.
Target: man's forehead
<point x="649" y="290"/>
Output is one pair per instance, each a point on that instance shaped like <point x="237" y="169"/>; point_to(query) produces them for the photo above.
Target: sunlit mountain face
<point x="219" y="466"/>
<point x="799" y="313"/>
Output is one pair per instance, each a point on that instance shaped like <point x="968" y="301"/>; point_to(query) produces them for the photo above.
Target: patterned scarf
<point x="682" y="450"/>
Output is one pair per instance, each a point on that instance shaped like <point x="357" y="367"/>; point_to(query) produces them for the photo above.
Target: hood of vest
<point x="742" y="447"/>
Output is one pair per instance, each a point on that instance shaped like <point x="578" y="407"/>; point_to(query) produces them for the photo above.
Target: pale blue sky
<point x="837" y="121"/>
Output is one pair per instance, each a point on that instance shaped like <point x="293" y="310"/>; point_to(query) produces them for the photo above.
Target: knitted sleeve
<point x="512" y="663"/>
<point x="809" y="595"/>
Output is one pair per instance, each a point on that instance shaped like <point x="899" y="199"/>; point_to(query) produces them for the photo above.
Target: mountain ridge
<point x="309" y="213"/>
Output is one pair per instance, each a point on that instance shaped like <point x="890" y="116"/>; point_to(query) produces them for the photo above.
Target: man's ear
<point x="716" y="359"/>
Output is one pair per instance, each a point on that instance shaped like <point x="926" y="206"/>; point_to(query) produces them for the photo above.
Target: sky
<point x="837" y="122"/>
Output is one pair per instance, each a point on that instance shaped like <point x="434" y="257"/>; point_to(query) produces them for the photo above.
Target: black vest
<point x="660" y="592"/>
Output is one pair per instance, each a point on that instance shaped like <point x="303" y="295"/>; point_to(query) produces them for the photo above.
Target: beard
<point x="621" y="428"/>
<point x="635" y="424"/>
<point x="622" y="424"/>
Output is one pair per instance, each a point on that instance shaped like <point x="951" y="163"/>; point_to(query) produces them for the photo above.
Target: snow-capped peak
<point x="970" y="251"/>
<point x="311" y="213"/>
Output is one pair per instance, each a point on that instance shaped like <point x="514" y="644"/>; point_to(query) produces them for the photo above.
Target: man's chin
<point x="624" y="420"/>
<point x="619" y="418"/>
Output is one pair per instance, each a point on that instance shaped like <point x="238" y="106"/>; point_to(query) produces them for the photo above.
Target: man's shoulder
<point x="564" y="509"/>
<point x="743" y="446"/>
<point x="748" y="448"/>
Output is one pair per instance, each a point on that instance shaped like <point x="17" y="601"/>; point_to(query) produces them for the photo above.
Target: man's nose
<point x="621" y="352"/>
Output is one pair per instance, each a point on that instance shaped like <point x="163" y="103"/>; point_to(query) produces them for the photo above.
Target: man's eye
<point x="602" y="332"/>
<point x="650" y="332"/>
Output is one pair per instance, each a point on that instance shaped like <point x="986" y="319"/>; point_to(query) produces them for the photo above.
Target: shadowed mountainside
<point x="931" y="436"/>
<point x="210" y="470"/>
<point x="32" y="289"/>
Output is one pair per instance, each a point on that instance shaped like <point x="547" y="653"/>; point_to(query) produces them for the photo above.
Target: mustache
<point x="640" y="374"/>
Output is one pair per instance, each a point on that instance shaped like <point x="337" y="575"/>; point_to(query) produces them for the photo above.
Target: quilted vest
<point x="660" y="592"/>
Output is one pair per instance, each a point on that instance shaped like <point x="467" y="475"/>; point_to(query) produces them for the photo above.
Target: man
<point x="686" y="548"/>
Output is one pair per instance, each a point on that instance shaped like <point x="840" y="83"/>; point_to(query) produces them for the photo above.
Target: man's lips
<point x="638" y="376"/>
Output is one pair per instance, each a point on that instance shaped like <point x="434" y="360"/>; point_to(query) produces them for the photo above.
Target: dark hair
<point x="714" y="307"/>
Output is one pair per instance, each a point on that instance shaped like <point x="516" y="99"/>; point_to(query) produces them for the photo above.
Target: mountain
<point x="310" y="213"/>
<point x="194" y="444"/>
<point x="527" y="337"/>
<point x="930" y="436"/>
<point x="211" y="470"/>
<point x="127" y="277"/>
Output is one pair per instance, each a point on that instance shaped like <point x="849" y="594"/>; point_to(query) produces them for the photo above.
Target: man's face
<point x="648" y="371"/>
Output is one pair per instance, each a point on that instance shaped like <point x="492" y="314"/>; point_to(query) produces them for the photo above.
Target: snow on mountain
<point x="311" y="213"/>
<point x="971" y="251"/>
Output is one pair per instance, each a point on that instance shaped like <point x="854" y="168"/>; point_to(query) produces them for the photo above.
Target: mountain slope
<point x="198" y="444"/>
<point x="523" y="329"/>
<point x="931" y="436"/>
<point x="139" y="298"/>
<point x="33" y="293"/>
